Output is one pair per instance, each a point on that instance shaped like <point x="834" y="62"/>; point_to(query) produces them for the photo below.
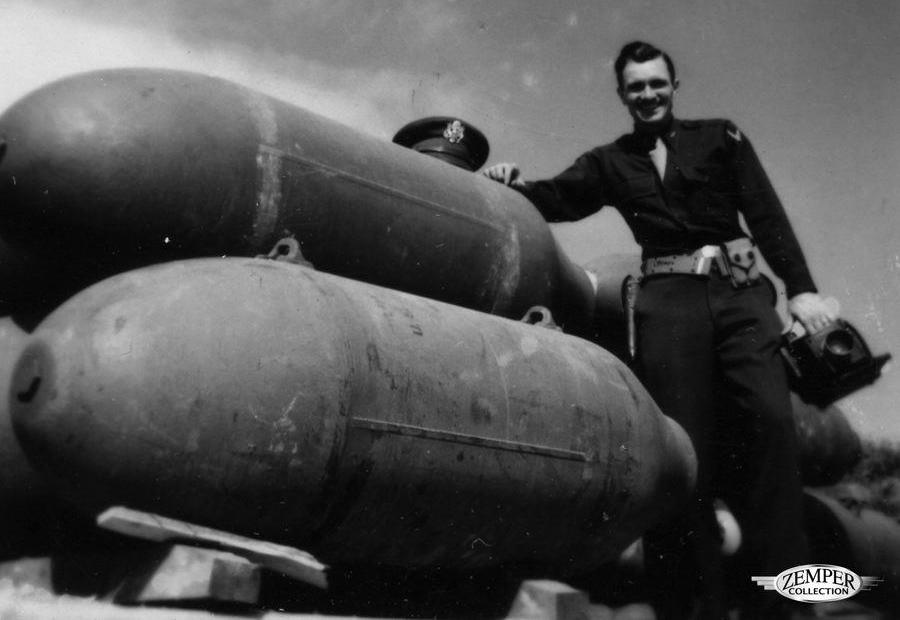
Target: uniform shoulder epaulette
<point x="732" y="132"/>
<point x="702" y="123"/>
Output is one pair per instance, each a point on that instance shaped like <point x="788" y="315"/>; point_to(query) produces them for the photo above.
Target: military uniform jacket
<point x="712" y="174"/>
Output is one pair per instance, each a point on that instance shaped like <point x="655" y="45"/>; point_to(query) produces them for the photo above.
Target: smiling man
<point x="707" y="332"/>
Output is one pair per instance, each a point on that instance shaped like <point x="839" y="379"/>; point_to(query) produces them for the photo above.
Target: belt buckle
<point x="703" y="259"/>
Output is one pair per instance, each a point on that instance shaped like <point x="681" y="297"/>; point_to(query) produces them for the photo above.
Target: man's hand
<point x="508" y="174"/>
<point x="813" y="311"/>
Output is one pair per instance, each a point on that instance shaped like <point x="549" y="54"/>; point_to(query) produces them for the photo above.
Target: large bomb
<point x="857" y="537"/>
<point x="829" y="447"/>
<point x="361" y="423"/>
<point x="115" y="169"/>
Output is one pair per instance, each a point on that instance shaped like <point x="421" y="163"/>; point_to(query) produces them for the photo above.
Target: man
<point x="708" y="335"/>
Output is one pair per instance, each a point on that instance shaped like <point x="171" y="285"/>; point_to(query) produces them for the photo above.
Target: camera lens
<point x="839" y="344"/>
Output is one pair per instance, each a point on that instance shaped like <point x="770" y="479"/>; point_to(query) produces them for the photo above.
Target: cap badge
<point x="454" y="132"/>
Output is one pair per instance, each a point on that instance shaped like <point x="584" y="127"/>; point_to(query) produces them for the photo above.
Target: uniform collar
<point x="645" y="141"/>
<point x="670" y="136"/>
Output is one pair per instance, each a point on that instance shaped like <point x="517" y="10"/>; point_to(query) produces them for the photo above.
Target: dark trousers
<point x="708" y="353"/>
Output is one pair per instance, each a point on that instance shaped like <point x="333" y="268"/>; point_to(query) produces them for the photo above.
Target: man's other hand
<point x="505" y="173"/>
<point x="813" y="311"/>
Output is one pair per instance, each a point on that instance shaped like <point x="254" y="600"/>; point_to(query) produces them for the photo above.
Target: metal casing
<point x="860" y="538"/>
<point x="269" y="399"/>
<point x="115" y="169"/>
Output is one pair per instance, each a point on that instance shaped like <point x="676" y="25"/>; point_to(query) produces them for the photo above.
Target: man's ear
<point x="676" y="84"/>
<point x="621" y="94"/>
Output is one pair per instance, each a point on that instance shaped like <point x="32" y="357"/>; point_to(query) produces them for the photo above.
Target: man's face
<point x="647" y="91"/>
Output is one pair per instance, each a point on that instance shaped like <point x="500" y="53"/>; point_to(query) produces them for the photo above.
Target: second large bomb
<point x="273" y="400"/>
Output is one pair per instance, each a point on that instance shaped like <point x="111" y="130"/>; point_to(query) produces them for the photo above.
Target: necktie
<point x="658" y="156"/>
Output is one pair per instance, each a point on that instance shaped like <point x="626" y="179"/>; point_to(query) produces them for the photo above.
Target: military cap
<point x="446" y="138"/>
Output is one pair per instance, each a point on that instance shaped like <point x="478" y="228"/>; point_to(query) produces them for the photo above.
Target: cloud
<point x="374" y="68"/>
<point x="41" y="44"/>
<point x="338" y="32"/>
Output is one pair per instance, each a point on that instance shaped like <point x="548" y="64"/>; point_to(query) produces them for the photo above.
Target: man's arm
<point x="575" y="193"/>
<point x="770" y="227"/>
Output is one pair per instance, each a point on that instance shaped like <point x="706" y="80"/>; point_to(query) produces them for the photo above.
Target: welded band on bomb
<point x="472" y="440"/>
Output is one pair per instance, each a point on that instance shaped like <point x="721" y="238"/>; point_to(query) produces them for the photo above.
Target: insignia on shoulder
<point x="734" y="133"/>
<point x="454" y="131"/>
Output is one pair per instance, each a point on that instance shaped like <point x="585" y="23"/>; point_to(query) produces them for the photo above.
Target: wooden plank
<point x="290" y="561"/>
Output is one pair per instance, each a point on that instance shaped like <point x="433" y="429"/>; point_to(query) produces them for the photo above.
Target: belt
<point x="699" y="262"/>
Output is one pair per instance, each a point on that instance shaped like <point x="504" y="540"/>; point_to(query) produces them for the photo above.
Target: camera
<point x="829" y="364"/>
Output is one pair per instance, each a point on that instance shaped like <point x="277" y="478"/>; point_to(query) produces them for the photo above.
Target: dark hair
<point x="638" y="51"/>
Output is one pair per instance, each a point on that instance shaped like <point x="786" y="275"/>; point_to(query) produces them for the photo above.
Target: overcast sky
<point x="811" y="82"/>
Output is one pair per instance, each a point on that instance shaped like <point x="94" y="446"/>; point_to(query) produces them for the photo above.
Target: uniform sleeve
<point x="575" y="193"/>
<point x="765" y="215"/>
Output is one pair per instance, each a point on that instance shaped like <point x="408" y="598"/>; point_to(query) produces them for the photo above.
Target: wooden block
<point x="549" y="600"/>
<point x="185" y="573"/>
<point x="287" y="560"/>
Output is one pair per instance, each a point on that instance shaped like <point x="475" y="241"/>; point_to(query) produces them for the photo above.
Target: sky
<point x="811" y="82"/>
